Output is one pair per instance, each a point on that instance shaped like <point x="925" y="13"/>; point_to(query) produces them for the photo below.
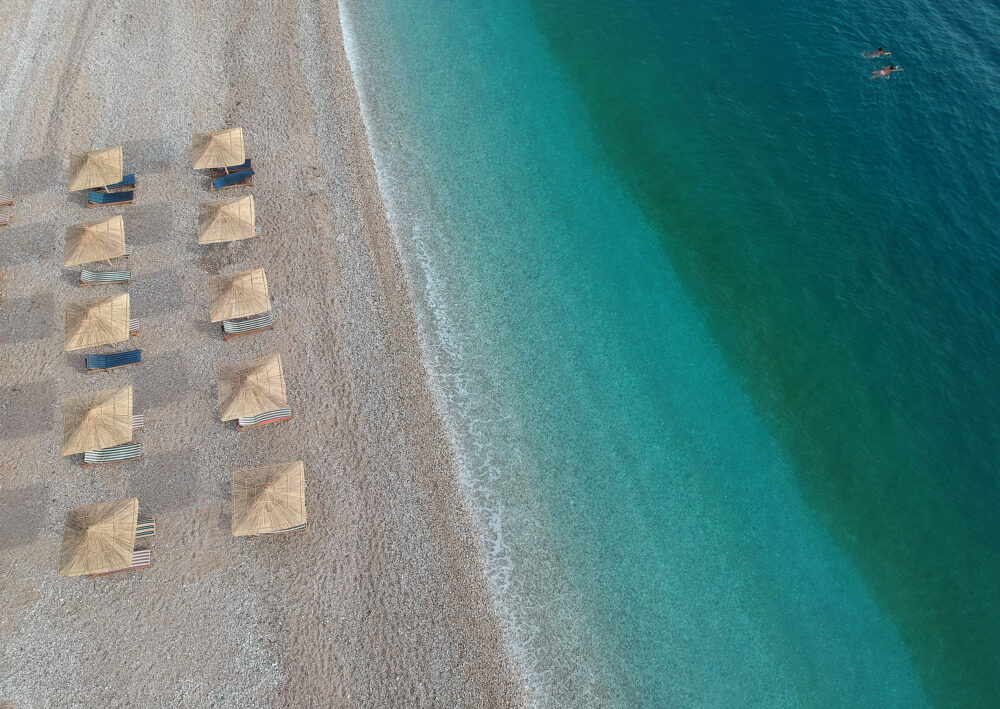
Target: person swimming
<point x="885" y="71"/>
<point x="880" y="52"/>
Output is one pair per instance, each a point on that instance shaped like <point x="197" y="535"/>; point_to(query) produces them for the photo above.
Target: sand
<point x="382" y="601"/>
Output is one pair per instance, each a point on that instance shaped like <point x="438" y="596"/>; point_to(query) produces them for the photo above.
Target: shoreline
<point x="383" y="600"/>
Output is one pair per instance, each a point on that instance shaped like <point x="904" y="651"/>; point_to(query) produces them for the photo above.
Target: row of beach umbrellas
<point x="100" y="538"/>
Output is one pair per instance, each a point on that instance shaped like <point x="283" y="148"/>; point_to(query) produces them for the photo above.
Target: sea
<point x="713" y="320"/>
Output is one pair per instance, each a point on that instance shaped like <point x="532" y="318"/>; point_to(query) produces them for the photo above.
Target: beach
<point x="382" y="601"/>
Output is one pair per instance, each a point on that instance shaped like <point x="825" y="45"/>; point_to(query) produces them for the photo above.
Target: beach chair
<point x="4" y="220"/>
<point x="279" y="531"/>
<point x="115" y="454"/>
<point x="244" y="326"/>
<point x="220" y="171"/>
<point x="128" y="182"/>
<point x="100" y="363"/>
<point x="145" y="528"/>
<point x="99" y="198"/>
<point x="128" y="249"/>
<point x="138" y="422"/>
<point x="258" y="230"/>
<point x="141" y="559"/>
<point x="243" y="178"/>
<point x="263" y="419"/>
<point x="133" y="327"/>
<point x="101" y="278"/>
<point x="7" y="199"/>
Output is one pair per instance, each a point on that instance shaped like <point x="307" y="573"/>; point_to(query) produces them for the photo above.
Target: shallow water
<point x="712" y="317"/>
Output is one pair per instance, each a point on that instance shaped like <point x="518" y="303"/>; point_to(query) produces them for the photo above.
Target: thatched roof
<point x="251" y="388"/>
<point x="269" y="499"/>
<point x="238" y="295"/>
<point x="221" y="148"/>
<point x="100" y="419"/>
<point x="95" y="168"/>
<point x="102" y="321"/>
<point x="95" y="241"/>
<point x="98" y="538"/>
<point x="227" y="220"/>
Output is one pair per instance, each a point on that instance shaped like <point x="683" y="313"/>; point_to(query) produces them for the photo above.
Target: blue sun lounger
<point x="233" y="179"/>
<point x="115" y="454"/>
<point x="97" y="198"/>
<point x="100" y="362"/>
<point x="127" y="182"/>
<point x="220" y="171"/>
<point x="145" y="528"/>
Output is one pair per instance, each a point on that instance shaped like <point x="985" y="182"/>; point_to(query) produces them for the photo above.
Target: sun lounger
<point x="138" y="422"/>
<point x="128" y="249"/>
<point x="233" y="179"/>
<point x="219" y="171"/>
<point x="4" y="220"/>
<point x="115" y="454"/>
<point x="258" y="230"/>
<point x="7" y="199"/>
<point x="100" y="362"/>
<point x="97" y="198"/>
<point x="279" y="531"/>
<point x="263" y="419"/>
<point x="133" y="326"/>
<point x="244" y="326"/>
<point x="145" y="528"/>
<point x="100" y="278"/>
<point x="128" y="182"/>
<point x="141" y="559"/>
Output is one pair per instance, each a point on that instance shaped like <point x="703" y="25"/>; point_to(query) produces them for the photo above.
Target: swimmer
<point x="880" y="52"/>
<point x="885" y="71"/>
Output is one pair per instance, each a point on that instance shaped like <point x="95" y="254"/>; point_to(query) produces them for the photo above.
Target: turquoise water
<point x="713" y="322"/>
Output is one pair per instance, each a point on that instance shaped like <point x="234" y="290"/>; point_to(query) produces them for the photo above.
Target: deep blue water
<point x="713" y="319"/>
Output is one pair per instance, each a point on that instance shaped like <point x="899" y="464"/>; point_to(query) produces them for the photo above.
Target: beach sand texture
<point x="382" y="601"/>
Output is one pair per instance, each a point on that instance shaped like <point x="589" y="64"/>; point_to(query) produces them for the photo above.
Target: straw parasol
<point x="100" y="419"/>
<point x="95" y="168"/>
<point x="251" y="388"/>
<point x="95" y="241"/>
<point x="98" y="538"/>
<point x="238" y="295"/>
<point x="103" y="321"/>
<point x="221" y="148"/>
<point x="269" y="499"/>
<point x="228" y="220"/>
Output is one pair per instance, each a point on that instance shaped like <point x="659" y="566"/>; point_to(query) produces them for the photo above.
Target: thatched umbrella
<point x="221" y="148"/>
<point x="251" y="388"/>
<point x="98" y="538"/>
<point x="102" y="321"/>
<point x="100" y="419"/>
<point x="227" y="220"/>
<point x="238" y="295"/>
<point x="95" y="168"/>
<point x="269" y="499"/>
<point x="95" y="241"/>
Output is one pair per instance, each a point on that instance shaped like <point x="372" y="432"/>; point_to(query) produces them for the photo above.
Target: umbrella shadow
<point x="157" y="294"/>
<point x="168" y="377"/>
<point x="28" y="242"/>
<point x="177" y="480"/>
<point x="22" y="514"/>
<point x="143" y="157"/>
<point x="34" y="315"/>
<point x="27" y="409"/>
<point x="38" y="175"/>
<point x="147" y="224"/>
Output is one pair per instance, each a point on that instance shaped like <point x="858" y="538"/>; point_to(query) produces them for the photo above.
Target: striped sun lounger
<point x="6" y="199"/>
<point x="145" y="528"/>
<point x="141" y="559"/>
<point x="133" y="326"/>
<point x="219" y="172"/>
<point x="233" y="179"/>
<point x="4" y="220"/>
<point x="98" y="198"/>
<point x="265" y="418"/>
<point x="127" y="182"/>
<point x="115" y="454"/>
<point x="128" y="249"/>
<point x="244" y="326"/>
<point x="99" y="362"/>
<point x="98" y="278"/>
<point x="138" y="422"/>
<point x="280" y="531"/>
